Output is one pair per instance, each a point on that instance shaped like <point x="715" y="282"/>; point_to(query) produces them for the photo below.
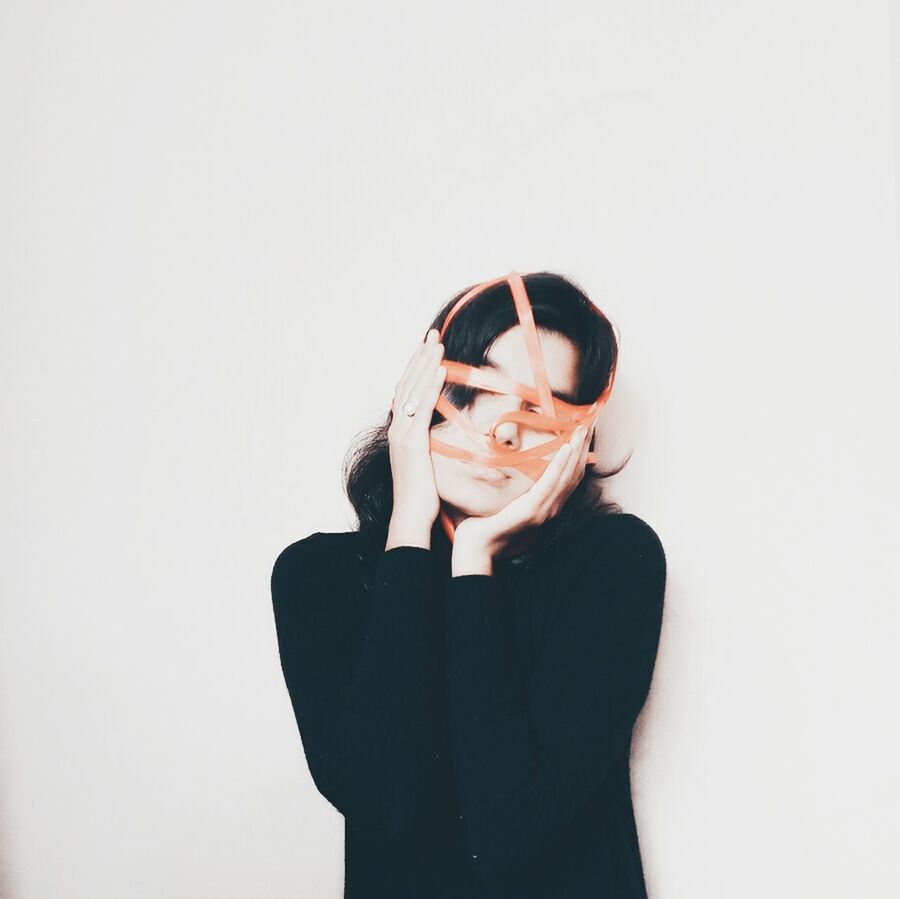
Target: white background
<point x="224" y="228"/>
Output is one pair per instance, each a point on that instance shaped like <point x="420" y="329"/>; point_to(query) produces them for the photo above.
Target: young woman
<point x="466" y="667"/>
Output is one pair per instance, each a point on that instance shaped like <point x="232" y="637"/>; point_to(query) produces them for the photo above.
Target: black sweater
<point x="474" y="731"/>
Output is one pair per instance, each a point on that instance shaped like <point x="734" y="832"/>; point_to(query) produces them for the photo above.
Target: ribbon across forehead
<point x="556" y="416"/>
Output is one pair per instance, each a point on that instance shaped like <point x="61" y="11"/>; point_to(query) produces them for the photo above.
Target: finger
<point x="408" y="375"/>
<point x="415" y="363"/>
<point x="423" y="368"/>
<point x="421" y="383"/>
<point x="544" y="487"/>
<point x="400" y="388"/>
<point x="428" y="398"/>
<point x="574" y="470"/>
<point x="585" y="449"/>
<point x="579" y="444"/>
<point x="567" y="470"/>
<point x="561" y="479"/>
<point x="529" y="506"/>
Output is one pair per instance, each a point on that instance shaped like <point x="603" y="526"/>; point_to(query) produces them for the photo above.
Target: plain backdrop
<point x="225" y="226"/>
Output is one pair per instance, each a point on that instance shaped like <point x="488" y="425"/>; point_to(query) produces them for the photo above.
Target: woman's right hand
<point x="416" y="500"/>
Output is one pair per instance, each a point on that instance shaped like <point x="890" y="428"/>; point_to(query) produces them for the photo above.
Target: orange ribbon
<point x="558" y="416"/>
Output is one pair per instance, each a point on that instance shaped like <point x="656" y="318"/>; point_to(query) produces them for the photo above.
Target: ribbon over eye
<point x="556" y="416"/>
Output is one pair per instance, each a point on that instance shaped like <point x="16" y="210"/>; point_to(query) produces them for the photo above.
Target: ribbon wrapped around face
<point x="557" y="416"/>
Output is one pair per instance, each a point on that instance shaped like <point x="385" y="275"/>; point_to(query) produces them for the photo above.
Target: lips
<point x="488" y="474"/>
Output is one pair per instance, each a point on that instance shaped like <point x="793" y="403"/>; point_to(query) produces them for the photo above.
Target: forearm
<point x="390" y="738"/>
<point x="367" y="682"/>
<point x="530" y="748"/>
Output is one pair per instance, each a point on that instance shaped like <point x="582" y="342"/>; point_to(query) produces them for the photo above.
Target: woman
<point x="466" y="667"/>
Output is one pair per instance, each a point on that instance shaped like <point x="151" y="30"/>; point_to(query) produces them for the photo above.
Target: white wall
<point x="191" y="190"/>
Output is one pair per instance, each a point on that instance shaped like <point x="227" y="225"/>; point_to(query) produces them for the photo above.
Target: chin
<point x="475" y="503"/>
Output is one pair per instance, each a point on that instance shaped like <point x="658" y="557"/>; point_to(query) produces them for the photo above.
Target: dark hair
<point x="558" y="306"/>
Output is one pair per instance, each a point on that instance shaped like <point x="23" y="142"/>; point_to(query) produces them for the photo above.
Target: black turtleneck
<point x="474" y="731"/>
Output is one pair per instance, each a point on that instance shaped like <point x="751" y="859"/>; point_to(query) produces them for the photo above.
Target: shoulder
<point x="621" y="549"/>
<point x="618" y="532"/>
<point x="609" y="581"/>
<point x="311" y="556"/>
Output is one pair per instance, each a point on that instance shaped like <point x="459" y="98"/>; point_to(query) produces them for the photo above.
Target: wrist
<point x="462" y="564"/>
<point x="407" y="530"/>
<point x="469" y="557"/>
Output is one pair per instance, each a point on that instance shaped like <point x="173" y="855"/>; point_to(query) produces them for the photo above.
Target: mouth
<point x="484" y="473"/>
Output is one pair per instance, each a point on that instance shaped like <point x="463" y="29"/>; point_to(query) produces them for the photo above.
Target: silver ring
<point x="410" y="408"/>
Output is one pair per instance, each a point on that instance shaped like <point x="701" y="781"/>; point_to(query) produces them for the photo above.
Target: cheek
<point x="445" y="470"/>
<point x="450" y="476"/>
<point x="532" y="437"/>
<point x="450" y="432"/>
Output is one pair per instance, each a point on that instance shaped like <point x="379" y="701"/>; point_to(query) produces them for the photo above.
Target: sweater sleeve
<point x="366" y="681"/>
<point x="527" y="756"/>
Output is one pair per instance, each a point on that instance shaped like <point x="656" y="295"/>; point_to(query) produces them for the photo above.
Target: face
<point x="465" y="487"/>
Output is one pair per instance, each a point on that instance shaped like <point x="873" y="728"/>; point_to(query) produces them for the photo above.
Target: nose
<point x="507" y="433"/>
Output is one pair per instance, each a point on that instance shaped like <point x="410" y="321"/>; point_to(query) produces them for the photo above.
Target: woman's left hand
<point x="487" y="535"/>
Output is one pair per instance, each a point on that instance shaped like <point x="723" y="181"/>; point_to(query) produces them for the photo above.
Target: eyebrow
<point x="562" y="394"/>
